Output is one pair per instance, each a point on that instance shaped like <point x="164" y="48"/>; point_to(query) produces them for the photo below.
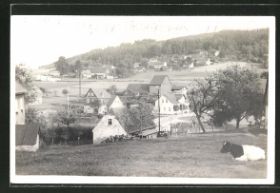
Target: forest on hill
<point x="237" y="45"/>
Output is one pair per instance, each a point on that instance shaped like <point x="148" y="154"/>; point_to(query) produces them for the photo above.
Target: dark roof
<point x="158" y="79"/>
<point x="19" y="88"/>
<point x="171" y="97"/>
<point x="138" y="88"/>
<point x="27" y="134"/>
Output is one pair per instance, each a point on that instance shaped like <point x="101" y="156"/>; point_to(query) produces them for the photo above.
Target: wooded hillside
<point x="251" y="46"/>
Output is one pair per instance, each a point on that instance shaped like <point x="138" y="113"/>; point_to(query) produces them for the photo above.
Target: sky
<point x="41" y="40"/>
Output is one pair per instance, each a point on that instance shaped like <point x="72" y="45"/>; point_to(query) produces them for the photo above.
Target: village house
<point x="115" y="104"/>
<point x="160" y="83"/>
<point x="100" y="95"/>
<point x="27" y="136"/>
<point x="20" y="104"/>
<point x="168" y="104"/>
<point x="184" y="105"/>
<point x="86" y="74"/>
<point x="108" y="126"/>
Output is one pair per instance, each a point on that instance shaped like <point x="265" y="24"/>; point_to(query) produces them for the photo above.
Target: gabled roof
<point x="112" y="99"/>
<point x="138" y="88"/>
<point x="158" y="79"/>
<point x="27" y="134"/>
<point x="19" y="88"/>
<point x="99" y="93"/>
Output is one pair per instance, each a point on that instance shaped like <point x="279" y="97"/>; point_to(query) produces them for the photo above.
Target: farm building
<point x="161" y="82"/>
<point x="28" y="137"/>
<point x="20" y="104"/>
<point x="150" y="133"/>
<point x="108" y="126"/>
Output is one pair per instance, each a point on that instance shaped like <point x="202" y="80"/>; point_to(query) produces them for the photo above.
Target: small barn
<point x="150" y="133"/>
<point x="28" y="137"/>
<point x="108" y="126"/>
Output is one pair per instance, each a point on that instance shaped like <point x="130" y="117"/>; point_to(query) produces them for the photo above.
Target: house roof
<point x="103" y="123"/>
<point x="112" y="99"/>
<point x="171" y="97"/>
<point x="27" y="134"/>
<point x="179" y="96"/>
<point x="158" y="79"/>
<point x="19" y="88"/>
<point x="178" y="87"/>
<point x="149" y="132"/>
<point x="99" y="93"/>
<point x="138" y="88"/>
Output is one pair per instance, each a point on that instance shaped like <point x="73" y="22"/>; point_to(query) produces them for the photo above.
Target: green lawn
<point x="194" y="155"/>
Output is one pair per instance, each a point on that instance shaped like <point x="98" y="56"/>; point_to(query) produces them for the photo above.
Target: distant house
<point x="20" y="104"/>
<point x="100" y="95"/>
<point x="160" y="82"/>
<point x="86" y="74"/>
<point x="99" y="76"/>
<point x="183" y="103"/>
<point x="137" y="89"/>
<point x="108" y="126"/>
<point x="115" y="104"/>
<point x="168" y="104"/>
<point x="27" y="137"/>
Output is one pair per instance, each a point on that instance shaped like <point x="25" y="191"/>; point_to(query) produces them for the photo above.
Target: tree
<point x="112" y="89"/>
<point x="203" y="97"/>
<point x="24" y="77"/>
<point x="62" y="65"/>
<point x="137" y="118"/>
<point x="65" y="92"/>
<point x="34" y="116"/>
<point x="239" y="94"/>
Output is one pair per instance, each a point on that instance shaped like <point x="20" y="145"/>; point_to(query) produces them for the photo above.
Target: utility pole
<point x="80" y="82"/>
<point x="158" y="110"/>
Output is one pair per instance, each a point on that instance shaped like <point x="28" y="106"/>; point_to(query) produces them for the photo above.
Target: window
<point x="162" y="100"/>
<point x="169" y="109"/>
<point x="109" y="121"/>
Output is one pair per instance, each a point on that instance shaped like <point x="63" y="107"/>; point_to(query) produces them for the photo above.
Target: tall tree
<point x="239" y="93"/>
<point x="62" y="65"/>
<point x="203" y="97"/>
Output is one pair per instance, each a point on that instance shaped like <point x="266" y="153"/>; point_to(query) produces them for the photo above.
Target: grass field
<point x="195" y="155"/>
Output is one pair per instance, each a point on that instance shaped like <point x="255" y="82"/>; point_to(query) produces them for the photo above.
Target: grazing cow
<point x="243" y="152"/>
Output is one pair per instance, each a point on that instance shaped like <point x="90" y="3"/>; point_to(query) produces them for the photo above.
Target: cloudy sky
<point x="40" y="40"/>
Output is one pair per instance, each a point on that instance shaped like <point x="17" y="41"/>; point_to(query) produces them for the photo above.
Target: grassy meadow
<point x="195" y="155"/>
